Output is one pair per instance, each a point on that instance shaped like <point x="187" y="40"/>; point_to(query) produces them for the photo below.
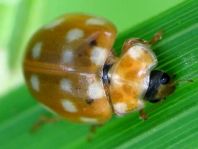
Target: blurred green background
<point x="19" y="19"/>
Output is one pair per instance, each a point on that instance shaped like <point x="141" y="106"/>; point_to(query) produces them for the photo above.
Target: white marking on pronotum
<point x="136" y="51"/>
<point x="35" y="83"/>
<point x="98" y="55"/>
<point x="65" y="85"/>
<point x="140" y="104"/>
<point x="69" y="106"/>
<point x="89" y="120"/>
<point x="74" y="34"/>
<point x="95" y="21"/>
<point x="67" y="56"/>
<point x="116" y="79"/>
<point x="120" y="108"/>
<point x="142" y="72"/>
<point x="95" y="90"/>
<point x="36" y="50"/>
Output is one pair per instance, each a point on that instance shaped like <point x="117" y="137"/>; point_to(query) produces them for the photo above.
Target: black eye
<point x="165" y="78"/>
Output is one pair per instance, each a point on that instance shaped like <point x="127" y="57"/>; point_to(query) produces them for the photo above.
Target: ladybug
<point x="70" y="68"/>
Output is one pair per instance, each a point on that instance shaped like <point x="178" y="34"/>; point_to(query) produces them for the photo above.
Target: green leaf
<point x="24" y="26"/>
<point x="171" y="124"/>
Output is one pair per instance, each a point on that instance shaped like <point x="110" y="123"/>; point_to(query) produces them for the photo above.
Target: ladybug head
<point x="160" y="86"/>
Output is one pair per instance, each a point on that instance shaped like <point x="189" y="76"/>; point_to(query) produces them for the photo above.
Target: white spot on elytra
<point x="89" y="120"/>
<point x="67" y="56"/>
<point x="74" y="34"/>
<point x="140" y="104"/>
<point x="95" y="21"/>
<point x="35" y="82"/>
<point x="65" y="85"/>
<point x="95" y="90"/>
<point x="36" y="50"/>
<point x="136" y="51"/>
<point x="98" y="55"/>
<point x="69" y="106"/>
<point x="120" y="108"/>
<point x="53" y="24"/>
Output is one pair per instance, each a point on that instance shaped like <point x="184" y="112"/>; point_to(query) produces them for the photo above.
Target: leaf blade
<point x="177" y="53"/>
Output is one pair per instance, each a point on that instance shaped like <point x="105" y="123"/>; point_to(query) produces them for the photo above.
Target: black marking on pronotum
<point x="105" y="77"/>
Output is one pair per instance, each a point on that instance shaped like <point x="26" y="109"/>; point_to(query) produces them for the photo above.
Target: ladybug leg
<point x="92" y="131"/>
<point x="156" y="38"/>
<point x="143" y="115"/>
<point x="42" y="121"/>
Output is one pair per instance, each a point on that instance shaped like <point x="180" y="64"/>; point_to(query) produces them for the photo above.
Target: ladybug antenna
<point x="182" y="80"/>
<point x="185" y="81"/>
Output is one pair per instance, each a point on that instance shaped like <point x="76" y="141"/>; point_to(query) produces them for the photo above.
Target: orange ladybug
<point x="69" y="67"/>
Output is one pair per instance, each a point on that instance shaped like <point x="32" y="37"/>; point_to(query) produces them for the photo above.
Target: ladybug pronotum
<point x="69" y="67"/>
